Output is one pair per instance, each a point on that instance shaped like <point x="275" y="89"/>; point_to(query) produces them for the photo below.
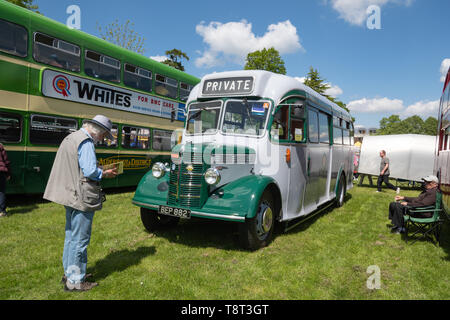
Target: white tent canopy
<point x="411" y="156"/>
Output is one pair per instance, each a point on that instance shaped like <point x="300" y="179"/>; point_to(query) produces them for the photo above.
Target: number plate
<point x="175" y="212"/>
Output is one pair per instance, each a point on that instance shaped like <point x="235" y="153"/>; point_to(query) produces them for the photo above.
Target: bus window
<point x="346" y="137"/>
<point x="297" y="123"/>
<point x="313" y="126"/>
<point x="106" y="143"/>
<point x="137" y="78"/>
<point x="50" y="130"/>
<point x="203" y="118"/>
<point x="13" y="38"/>
<point x="10" y="127"/>
<point x="56" y="53"/>
<point x="161" y="140"/>
<point x="280" y="124"/>
<point x="102" y="67"/>
<point x="243" y="117"/>
<point x="337" y="135"/>
<point x="185" y="90"/>
<point x="324" y="130"/>
<point x="166" y="86"/>
<point x="135" y="138"/>
<point x="336" y="121"/>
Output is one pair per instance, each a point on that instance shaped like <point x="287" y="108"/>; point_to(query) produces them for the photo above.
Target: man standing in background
<point x="384" y="173"/>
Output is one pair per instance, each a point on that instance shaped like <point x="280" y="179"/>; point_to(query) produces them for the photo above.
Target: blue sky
<point x="377" y="72"/>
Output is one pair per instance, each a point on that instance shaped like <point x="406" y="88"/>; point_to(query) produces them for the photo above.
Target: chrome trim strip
<point x="146" y="204"/>
<point x="213" y="215"/>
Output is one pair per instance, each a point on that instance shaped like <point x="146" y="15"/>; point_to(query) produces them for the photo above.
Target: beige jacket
<point x="67" y="185"/>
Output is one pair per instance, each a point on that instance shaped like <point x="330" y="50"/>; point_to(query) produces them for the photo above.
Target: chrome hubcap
<point x="264" y="220"/>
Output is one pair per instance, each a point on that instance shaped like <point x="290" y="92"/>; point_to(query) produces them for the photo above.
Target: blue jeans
<point x="78" y="236"/>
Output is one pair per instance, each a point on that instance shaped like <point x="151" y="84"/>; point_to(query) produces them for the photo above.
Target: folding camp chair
<point x="425" y="226"/>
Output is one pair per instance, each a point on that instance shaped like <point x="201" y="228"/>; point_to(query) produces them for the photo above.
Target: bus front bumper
<point x="235" y="217"/>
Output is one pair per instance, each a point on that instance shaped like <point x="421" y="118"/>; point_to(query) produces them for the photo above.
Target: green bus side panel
<point x="13" y="77"/>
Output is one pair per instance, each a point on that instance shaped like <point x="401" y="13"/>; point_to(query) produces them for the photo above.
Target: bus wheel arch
<point x="257" y="231"/>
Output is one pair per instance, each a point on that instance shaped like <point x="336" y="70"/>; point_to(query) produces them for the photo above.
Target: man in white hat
<point x="74" y="182"/>
<point x="426" y="198"/>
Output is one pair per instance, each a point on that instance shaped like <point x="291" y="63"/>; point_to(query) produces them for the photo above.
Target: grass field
<point x="324" y="258"/>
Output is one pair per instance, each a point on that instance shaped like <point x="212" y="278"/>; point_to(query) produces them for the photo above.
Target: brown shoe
<point x="82" y="286"/>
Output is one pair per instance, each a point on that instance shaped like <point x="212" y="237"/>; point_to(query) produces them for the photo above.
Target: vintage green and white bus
<point x="257" y="148"/>
<point x="52" y="78"/>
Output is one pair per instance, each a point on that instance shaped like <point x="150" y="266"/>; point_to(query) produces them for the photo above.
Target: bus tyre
<point x="154" y="221"/>
<point x="257" y="232"/>
<point x="340" y="194"/>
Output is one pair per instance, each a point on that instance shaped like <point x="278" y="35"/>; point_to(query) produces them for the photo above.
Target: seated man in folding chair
<point x="426" y="198"/>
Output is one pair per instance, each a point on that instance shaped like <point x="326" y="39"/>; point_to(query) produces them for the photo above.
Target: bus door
<point x="317" y="158"/>
<point x="281" y="151"/>
<point x="297" y="172"/>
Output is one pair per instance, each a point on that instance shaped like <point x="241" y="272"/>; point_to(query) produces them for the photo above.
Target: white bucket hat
<point x="104" y="123"/>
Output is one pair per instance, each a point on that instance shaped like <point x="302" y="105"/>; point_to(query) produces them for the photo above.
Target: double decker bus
<point x="52" y="78"/>
<point x="258" y="148"/>
<point x="442" y="163"/>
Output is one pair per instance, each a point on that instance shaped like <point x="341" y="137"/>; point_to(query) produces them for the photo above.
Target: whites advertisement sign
<point x="71" y="88"/>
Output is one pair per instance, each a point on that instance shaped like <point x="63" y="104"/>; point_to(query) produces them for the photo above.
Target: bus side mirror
<point x="172" y="115"/>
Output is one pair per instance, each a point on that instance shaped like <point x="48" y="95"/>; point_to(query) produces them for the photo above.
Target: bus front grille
<point x="185" y="187"/>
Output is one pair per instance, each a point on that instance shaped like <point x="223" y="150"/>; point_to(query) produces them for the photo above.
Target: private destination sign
<point x="227" y="86"/>
<point x="71" y="88"/>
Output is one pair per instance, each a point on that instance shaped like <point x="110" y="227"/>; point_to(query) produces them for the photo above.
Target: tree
<point x="175" y="57"/>
<point x="411" y="125"/>
<point x="265" y="59"/>
<point x="391" y="125"/>
<point x="315" y="82"/>
<point x="430" y="126"/>
<point x="28" y="4"/>
<point x="123" y="35"/>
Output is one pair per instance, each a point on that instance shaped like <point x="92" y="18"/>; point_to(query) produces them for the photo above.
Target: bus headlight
<point x="212" y="176"/>
<point x="158" y="170"/>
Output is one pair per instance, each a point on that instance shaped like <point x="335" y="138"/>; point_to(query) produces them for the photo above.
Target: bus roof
<point x="258" y="83"/>
<point x="37" y="22"/>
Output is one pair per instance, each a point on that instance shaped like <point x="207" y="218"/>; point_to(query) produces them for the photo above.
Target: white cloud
<point x="334" y="90"/>
<point x="423" y="109"/>
<point x="232" y="41"/>
<point x="354" y="11"/>
<point x="444" y="68"/>
<point x="375" y="105"/>
<point x="159" y="58"/>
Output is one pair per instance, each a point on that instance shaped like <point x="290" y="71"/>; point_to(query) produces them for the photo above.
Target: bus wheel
<point x="153" y="221"/>
<point x="257" y="232"/>
<point x="340" y="195"/>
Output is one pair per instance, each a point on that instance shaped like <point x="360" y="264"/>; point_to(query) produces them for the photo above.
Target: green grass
<point x="324" y="258"/>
